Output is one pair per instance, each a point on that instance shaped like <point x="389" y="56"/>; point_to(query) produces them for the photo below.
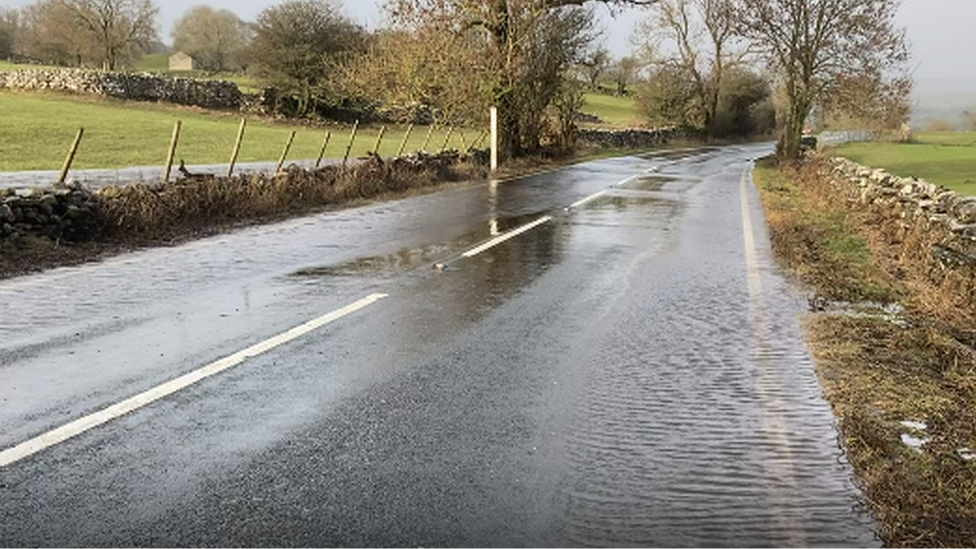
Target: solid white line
<point x="749" y="237"/>
<point x="79" y="426"/>
<point x="496" y="241"/>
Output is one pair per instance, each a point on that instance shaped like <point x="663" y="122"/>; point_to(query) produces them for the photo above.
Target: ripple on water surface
<point x="701" y="425"/>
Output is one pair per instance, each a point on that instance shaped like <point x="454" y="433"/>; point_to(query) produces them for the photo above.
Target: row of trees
<point x="106" y="33"/>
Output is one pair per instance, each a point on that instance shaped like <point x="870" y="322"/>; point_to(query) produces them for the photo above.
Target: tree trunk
<point x="788" y="149"/>
<point x="509" y="128"/>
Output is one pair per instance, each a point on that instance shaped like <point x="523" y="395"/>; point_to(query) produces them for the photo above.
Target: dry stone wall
<point x="630" y="138"/>
<point x="209" y="94"/>
<point x="72" y="213"/>
<point x="68" y="213"/>
<point x="934" y="224"/>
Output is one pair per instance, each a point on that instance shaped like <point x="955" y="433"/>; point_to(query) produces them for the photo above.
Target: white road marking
<point x="752" y="264"/>
<point x="509" y="235"/>
<point x="79" y="426"/>
<point x="781" y="465"/>
<point x="593" y="197"/>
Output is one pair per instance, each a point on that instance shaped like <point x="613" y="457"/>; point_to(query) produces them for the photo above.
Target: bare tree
<point x="215" y="38"/>
<point x="118" y="28"/>
<point x="623" y="73"/>
<point x="8" y="31"/>
<point x="811" y="43"/>
<point x="866" y="102"/>
<point x="48" y="32"/>
<point x="300" y="45"/>
<point x="701" y="42"/>
<point x="595" y="65"/>
<point x="509" y="31"/>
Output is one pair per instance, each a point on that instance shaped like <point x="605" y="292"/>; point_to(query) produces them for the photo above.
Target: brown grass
<point x="877" y="373"/>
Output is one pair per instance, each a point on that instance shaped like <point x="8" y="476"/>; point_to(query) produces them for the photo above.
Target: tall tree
<point x="215" y="38"/>
<point x="623" y="73"/>
<point x="507" y="30"/>
<point x="300" y="45"/>
<point x="813" y="43"/>
<point x="8" y="31"/>
<point x="48" y="32"/>
<point x="696" y="38"/>
<point x="118" y="28"/>
<point x="595" y="65"/>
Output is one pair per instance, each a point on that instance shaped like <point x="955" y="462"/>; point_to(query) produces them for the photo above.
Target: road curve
<point x="604" y="355"/>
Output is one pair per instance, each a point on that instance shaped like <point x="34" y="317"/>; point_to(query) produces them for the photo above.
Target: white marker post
<point x="494" y="138"/>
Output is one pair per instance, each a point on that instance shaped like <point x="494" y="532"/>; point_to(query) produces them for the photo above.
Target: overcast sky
<point x="939" y="30"/>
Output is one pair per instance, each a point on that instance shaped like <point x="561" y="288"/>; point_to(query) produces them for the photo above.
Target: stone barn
<point x="180" y="61"/>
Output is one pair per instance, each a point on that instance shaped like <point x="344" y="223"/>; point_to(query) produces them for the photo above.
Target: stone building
<point x="180" y="61"/>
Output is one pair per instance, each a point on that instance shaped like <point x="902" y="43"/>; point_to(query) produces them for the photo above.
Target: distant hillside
<point x="943" y="98"/>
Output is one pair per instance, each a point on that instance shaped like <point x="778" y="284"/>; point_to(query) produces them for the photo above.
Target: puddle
<point x="428" y="256"/>
<point x="406" y="259"/>
<point x="677" y="155"/>
<point x="913" y="442"/>
<point x="916" y="425"/>
<point x="888" y="312"/>
<point x="918" y="437"/>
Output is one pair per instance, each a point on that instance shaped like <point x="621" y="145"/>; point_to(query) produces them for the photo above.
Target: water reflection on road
<point x="604" y="379"/>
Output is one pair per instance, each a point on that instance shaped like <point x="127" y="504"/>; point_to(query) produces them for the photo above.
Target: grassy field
<point x="36" y="131"/>
<point x="613" y="110"/>
<point x="947" y="159"/>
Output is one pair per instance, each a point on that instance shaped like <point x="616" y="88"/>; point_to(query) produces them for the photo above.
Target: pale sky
<point x="940" y="31"/>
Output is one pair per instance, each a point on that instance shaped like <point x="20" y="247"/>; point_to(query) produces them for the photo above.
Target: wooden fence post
<point x="284" y="153"/>
<point x="172" y="151"/>
<point x="476" y="142"/>
<point x="71" y="156"/>
<point x="403" y="146"/>
<point x="352" y="140"/>
<point x="450" y="132"/>
<point x="379" y="140"/>
<point x="237" y="147"/>
<point x="464" y="143"/>
<point x="328" y="136"/>
<point x="430" y="133"/>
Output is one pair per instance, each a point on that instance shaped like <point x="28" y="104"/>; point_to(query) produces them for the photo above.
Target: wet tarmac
<point x="626" y="373"/>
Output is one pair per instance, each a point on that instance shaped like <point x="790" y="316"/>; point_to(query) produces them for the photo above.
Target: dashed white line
<point x="590" y="198"/>
<point x="509" y="235"/>
<point x="79" y="426"/>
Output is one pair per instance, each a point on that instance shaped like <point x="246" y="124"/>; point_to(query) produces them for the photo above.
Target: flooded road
<point x="606" y="355"/>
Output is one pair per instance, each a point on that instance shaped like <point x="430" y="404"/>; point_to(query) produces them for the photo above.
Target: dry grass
<point x="203" y="201"/>
<point x="877" y="373"/>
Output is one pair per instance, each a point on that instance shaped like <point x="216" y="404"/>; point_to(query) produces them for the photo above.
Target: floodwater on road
<point x="630" y="372"/>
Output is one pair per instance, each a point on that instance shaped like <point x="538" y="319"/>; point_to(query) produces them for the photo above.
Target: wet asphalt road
<point x="630" y="372"/>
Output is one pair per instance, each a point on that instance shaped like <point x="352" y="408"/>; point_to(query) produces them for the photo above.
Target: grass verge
<point x="879" y="369"/>
<point x="947" y="159"/>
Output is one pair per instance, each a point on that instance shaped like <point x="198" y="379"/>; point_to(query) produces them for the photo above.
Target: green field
<point x="613" y="110"/>
<point x="947" y="159"/>
<point x="156" y="62"/>
<point x="36" y="131"/>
